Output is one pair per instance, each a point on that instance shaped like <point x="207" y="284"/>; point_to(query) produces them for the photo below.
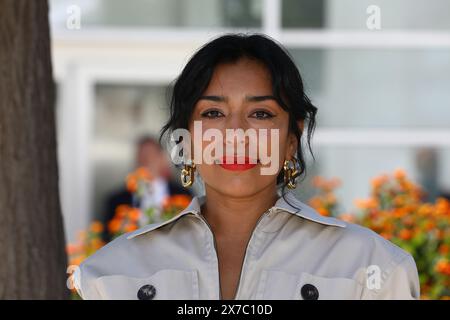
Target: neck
<point x="236" y="217"/>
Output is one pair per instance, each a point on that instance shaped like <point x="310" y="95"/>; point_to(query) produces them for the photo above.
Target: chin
<point x="238" y="186"/>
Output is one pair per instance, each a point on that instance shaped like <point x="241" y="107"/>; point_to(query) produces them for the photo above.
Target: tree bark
<point x="32" y="247"/>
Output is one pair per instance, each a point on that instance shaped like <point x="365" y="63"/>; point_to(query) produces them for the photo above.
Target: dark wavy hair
<point x="287" y="84"/>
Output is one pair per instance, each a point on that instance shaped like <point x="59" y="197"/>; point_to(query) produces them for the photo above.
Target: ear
<point x="291" y="149"/>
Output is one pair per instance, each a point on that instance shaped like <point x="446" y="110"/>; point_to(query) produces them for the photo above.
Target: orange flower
<point x="388" y="226"/>
<point x="444" y="249"/>
<point x="442" y="207"/>
<point x="440" y="234"/>
<point x="425" y="210"/>
<point x="370" y="203"/>
<point x="408" y="221"/>
<point x="377" y="182"/>
<point x="132" y="180"/>
<point x="386" y="235"/>
<point x="405" y="234"/>
<point x="97" y="243"/>
<point x="399" y="212"/>
<point x="122" y="210"/>
<point x="130" y="227"/>
<point x="77" y="261"/>
<point x="333" y="183"/>
<point x="132" y="184"/>
<point x="443" y="266"/>
<point x="114" y="225"/>
<point x="97" y="227"/>
<point x="315" y="202"/>
<point x="72" y="249"/>
<point x="180" y="201"/>
<point x="430" y="225"/>
<point x="331" y="198"/>
<point x="399" y="200"/>
<point x="323" y="211"/>
<point x="143" y="173"/>
<point x="134" y="214"/>
<point x="399" y="174"/>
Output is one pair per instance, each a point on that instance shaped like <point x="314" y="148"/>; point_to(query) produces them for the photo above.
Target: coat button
<point x="309" y="292"/>
<point x="146" y="292"/>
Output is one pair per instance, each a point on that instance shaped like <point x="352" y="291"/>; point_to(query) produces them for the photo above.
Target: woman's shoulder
<point x="357" y="236"/>
<point x="350" y="238"/>
<point x="345" y="236"/>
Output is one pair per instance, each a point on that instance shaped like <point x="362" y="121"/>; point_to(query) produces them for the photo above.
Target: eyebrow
<point x="247" y="98"/>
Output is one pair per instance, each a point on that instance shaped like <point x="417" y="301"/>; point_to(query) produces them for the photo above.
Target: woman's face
<point x="223" y="106"/>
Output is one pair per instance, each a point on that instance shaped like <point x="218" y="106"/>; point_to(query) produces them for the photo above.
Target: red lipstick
<point x="234" y="165"/>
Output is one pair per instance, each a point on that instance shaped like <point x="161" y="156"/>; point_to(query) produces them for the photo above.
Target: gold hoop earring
<point x="290" y="173"/>
<point x="187" y="172"/>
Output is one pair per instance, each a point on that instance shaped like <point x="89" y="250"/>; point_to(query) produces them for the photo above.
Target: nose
<point x="235" y="132"/>
<point x="235" y="136"/>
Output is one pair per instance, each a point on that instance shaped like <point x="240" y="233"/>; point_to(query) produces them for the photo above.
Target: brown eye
<point x="261" y="114"/>
<point x="211" y="114"/>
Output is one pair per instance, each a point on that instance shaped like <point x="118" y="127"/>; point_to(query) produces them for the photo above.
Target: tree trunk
<point x="32" y="249"/>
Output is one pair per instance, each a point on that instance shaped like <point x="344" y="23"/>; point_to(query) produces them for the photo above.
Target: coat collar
<point x="292" y="205"/>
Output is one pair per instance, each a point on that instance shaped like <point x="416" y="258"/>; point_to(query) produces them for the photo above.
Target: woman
<point x="246" y="237"/>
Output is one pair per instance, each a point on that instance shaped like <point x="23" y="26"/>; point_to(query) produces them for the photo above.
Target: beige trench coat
<point x="293" y="253"/>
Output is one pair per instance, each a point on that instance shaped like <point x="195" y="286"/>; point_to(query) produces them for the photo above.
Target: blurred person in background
<point x="428" y="164"/>
<point x="149" y="155"/>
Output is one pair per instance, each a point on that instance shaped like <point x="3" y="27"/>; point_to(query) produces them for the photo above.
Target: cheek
<point x="277" y="143"/>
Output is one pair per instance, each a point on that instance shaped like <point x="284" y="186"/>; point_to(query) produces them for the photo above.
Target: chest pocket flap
<point x="281" y="285"/>
<point x="167" y="284"/>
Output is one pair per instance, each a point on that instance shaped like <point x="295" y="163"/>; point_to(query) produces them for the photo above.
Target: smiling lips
<point x="234" y="165"/>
